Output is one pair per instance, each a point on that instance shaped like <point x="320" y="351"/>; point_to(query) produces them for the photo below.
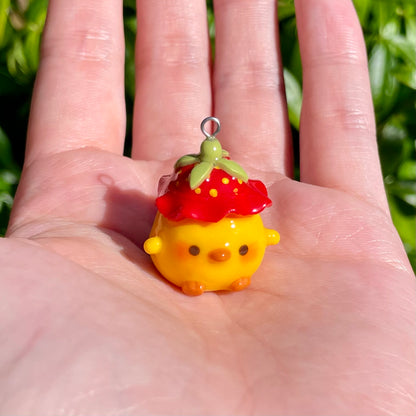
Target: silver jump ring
<point x="215" y="121"/>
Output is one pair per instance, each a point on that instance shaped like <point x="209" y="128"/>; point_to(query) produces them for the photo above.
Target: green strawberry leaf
<point x="186" y="160"/>
<point x="199" y="173"/>
<point x="233" y="169"/>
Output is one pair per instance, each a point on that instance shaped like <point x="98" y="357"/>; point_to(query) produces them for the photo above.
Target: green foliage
<point x="9" y="176"/>
<point x="21" y="25"/>
<point x="389" y="28"/>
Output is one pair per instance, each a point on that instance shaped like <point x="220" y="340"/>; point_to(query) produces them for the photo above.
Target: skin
<point x="88" y="327"/>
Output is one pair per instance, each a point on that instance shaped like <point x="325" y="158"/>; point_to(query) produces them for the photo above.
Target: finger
<point x="338" y="141"/>
<point x="173" y="92"/>
<point x="78" y="97"/>
<point x="249" y="89"/>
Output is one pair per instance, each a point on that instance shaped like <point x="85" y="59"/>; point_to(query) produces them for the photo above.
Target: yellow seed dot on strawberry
<point x="240" y="181"/>
<point x="225" y="181"/>
<point x="198" y="191"/>
<point x="235" y="190"/>
<point x="213" y="193"/>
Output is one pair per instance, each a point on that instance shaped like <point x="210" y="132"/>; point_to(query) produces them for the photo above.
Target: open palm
<point x="89" y="327"/>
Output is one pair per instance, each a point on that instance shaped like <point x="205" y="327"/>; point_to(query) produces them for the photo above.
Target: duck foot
<point x="240" y="284"/>
<point x="193" y="288"/>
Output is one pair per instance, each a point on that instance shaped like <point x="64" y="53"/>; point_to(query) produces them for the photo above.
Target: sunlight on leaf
<point x="199" y="173"/>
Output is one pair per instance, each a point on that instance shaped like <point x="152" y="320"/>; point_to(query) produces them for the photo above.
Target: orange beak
<point x="220" y="254"/>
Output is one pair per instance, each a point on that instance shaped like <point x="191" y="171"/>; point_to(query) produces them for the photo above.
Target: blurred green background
<point x="389" y="28"/>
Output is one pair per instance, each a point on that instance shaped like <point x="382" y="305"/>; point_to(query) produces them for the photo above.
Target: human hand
<point x="88" y="327"/>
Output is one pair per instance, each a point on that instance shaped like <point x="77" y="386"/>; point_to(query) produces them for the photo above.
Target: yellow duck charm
<point x="208" y="234"/>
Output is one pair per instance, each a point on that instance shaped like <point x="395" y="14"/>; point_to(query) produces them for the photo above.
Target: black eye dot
<point x="243" y="250"/>
<point x="194" y="250"/>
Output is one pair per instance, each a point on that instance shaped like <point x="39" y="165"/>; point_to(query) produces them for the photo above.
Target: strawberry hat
<point x="209" y="185"/>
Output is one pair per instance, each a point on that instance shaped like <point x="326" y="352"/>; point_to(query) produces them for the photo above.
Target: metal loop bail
<point x="215" y="121"/>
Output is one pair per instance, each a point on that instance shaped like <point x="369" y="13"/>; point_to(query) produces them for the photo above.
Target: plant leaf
<point x="4" y="12"/>
<point x="405" y="225"/>
<point x="286" y="9"/>
<point x="406" y="74"/>
<point x="199" y="173"/>
<point x="186" y="160"/>
<point x="233" y="169"/>
<point x="294" y="97"/>
<point x="363" y="8"/>
<point x="384" y="85"/>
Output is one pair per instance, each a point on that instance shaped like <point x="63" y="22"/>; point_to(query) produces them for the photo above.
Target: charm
<point x="208" y="234"/>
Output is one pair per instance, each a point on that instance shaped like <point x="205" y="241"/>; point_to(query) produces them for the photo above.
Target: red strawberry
<point x="208" y="186"/>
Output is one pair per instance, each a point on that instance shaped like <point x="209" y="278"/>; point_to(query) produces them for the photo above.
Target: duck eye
<point x="243" y="250"/>
<point x="194" y="250"/>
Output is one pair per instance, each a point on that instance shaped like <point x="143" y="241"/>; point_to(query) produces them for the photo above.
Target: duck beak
<point x="219" y="255"/>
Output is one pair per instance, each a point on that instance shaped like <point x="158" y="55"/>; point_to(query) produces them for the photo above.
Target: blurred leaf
<point x="130" y="27"/>
<point x="402" y="48"/>
<point x="5" y="199"/>
<point x="8" y="180"/>
<point x="405" y="225"/>
<point x="35" y="17"/>
<point x="389" y="28"/>
<point x="392" y="144"/>
<point x="385" y="10"/>
<point x="7" y="84"/>
<point x="410" y="25"/>
<point x="31" y="50"/>
<point x="384" y="86"/>
<point x="4" y="15"/>
<point x="404" y="191"/>
<point x="130" y="3"/>
<point x="211" y="30"/>
<point x="407" y="170"/>
<point x="6" y="202"/>
<point x="289" y="46"/>
<point x="363" y="8"/>
<point x="406" y="74"/>
<point x="130" y="23"/>
<point x="286" y="9"/>
<point x="36" y="13"/>
<point x="6" y="158"/>
<point x="294" y="97"/>
<point x="16" y="60"/>
<point x="296" y="64"/>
